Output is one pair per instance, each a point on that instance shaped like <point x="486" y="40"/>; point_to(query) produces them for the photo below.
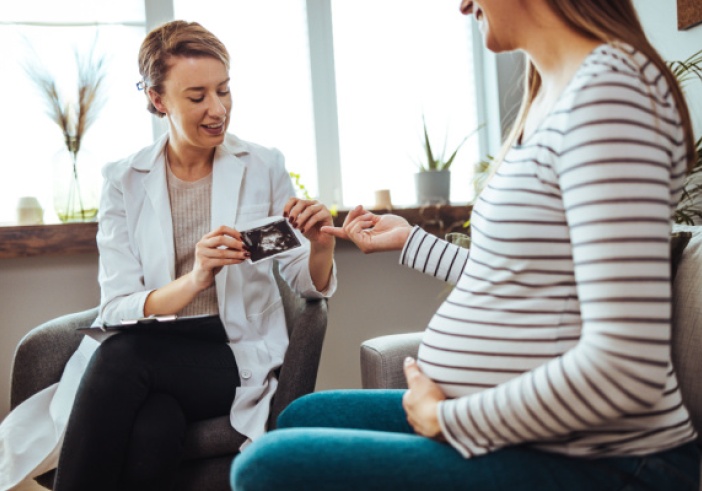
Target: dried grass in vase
<point x="74" y="116"/>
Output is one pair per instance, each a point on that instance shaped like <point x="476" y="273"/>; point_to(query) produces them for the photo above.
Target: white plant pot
<point x="433" y="187"/>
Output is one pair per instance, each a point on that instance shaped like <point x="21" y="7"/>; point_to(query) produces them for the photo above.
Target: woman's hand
<point x="421" y="401"/>
<point x="219" y="248"/>
<point x="371" y="232"/>
<point x="309" y="216"/>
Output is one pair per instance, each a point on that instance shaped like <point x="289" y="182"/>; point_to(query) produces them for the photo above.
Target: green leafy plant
<point x="304" y="193"/>
<point x="687" y="69"/>
<point x="438" y="162"/>
<point x="301" y="189"/>
<point x="689" y="211"/>
<point x="481" y="172"/>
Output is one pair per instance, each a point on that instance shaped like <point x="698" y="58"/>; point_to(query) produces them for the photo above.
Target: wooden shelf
<point x="48" y="240"/>
<point x="79" y="238"/>
<point x="438" y="220"/>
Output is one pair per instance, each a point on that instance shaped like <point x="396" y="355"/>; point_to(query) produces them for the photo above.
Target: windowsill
<point x="435" y="219"/>
<point x="47" y="240"/>
<point x="79" y="238"/>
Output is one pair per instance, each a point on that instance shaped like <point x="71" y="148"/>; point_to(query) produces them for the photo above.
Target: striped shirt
<point x="557" y="333"/>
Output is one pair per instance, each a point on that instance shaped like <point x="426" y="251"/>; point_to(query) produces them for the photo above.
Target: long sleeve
<point x="433" y="256"/>
<point x="559" y="336"/>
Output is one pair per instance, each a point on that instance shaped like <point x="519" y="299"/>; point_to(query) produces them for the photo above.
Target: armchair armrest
<point x="306" y="319"/>
<point x="382" y="359"/>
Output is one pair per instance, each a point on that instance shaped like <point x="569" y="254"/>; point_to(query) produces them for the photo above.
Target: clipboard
<point x="202" y="327"/>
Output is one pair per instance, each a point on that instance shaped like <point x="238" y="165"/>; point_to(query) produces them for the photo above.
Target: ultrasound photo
<point x="268" y="240"/>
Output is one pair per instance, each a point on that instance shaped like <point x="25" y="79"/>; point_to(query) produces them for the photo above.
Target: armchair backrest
<point x="43" y="352"/>
<point x="687" y="325"/>
<point x="307" y="323"/>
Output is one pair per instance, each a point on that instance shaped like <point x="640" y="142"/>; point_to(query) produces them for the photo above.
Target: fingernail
<point x="247" y="254"/>
<point x="285" y="214"/>
<point x="409" y="360"/>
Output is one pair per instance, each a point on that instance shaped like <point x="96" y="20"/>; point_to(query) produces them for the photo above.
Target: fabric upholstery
<point x="678" y="242"/>
<point x="42" y="353"/>
<point x="687" y="325"/>
<point x="210" y="445"/>
<point x="382" y="357"/>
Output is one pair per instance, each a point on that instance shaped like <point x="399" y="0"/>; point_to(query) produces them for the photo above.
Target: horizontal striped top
<point x="557" y="333"/>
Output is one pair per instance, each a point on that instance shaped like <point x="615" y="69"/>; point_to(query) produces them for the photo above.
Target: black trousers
<point x="136" y="398"/>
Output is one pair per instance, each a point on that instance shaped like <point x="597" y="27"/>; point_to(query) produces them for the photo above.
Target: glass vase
<point x="76" y="187"/>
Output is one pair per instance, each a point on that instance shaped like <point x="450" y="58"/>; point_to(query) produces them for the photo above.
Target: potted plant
<point x="433" y="181"/>
<point x="689" y="210"/>
<point x="481" y="172"/>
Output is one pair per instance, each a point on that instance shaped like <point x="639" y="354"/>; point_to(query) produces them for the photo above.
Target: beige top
<point x="191" y="212"/>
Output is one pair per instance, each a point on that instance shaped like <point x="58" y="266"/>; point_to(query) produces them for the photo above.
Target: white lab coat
<point x="137" y="255"/>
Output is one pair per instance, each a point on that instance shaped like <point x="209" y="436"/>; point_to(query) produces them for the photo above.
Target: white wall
<point x="660" y="21"/>
<point x="376" y="296"/>
<point x="34" y="290"/>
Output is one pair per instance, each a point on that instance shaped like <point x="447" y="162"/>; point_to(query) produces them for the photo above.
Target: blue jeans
<point x="360" y="440"/>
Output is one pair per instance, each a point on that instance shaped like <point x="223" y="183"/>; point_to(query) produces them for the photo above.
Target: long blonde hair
<point x="607" y="21"/>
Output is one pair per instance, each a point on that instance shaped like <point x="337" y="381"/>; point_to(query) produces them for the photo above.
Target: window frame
<point x="489" y="92"/>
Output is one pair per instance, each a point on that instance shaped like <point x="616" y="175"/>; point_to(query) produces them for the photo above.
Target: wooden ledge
<point x="48" y="240"/>
<point x="79" y="238"/>
<point x="435" y="219"/>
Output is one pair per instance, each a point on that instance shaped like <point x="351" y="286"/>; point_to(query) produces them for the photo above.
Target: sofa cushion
<point x="687" y="324"/>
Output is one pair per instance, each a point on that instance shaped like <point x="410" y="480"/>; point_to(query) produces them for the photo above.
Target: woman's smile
<point x="214" y="129"/>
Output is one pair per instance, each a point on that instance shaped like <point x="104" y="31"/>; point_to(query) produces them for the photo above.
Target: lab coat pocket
<point x="249" y="213"/>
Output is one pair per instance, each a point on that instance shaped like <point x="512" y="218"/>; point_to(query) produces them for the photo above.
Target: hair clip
<point x="140" y="85"/>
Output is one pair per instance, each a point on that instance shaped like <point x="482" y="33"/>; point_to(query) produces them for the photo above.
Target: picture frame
<point x="689" y="14"/>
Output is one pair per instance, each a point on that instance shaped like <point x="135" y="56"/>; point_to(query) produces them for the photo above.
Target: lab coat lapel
<point x="157" y="191"/>
<point x="227" y="178"/>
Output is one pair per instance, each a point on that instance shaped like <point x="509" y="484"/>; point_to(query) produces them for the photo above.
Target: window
<point x="270" y="73"/>
<point x="55" y="30"/>
<point x="396" y="61"/>
<point x="392" y="62"/>
<point x="339" y="86"/>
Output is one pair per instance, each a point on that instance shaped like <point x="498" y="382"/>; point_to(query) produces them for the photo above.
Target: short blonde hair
<point x="175" y="39"/>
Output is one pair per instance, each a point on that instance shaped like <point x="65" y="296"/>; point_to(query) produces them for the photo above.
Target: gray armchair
<point x="210" y="445"/>
<point x="382" y="357"/>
